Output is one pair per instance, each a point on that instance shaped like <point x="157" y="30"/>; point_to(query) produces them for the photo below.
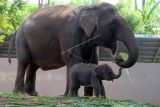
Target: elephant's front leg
<point x="73" y="91"/>
<point x="67" y="79"/>
<point x="67" y="83"/>
<point x="95" y="83"/>
<point x="74" y="86"/>
<point x="96" y="88"/>
<point x="102" y="90"/>
<point x="88" y="91"/>
<point x="72" y="58"/>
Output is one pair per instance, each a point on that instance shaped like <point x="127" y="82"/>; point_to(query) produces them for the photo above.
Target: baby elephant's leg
<point x="76" y="92"/>
<point x="74" y="86"/>
<point x="96" y="85"/>
<point x="96" y="91"/>
<point x="73" y="91"/>
<point x="102" y="90"/>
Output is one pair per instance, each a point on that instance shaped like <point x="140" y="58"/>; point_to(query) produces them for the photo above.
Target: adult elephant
<point x="63" y="35"/>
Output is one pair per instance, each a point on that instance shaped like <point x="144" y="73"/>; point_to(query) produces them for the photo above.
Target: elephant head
<point x="105" y="21"/>
<point x="105" y="72"/>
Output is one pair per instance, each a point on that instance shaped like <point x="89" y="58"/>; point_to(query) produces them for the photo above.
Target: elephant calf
<point x="90" y="75"/>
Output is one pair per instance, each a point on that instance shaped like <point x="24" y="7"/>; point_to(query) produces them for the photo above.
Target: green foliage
<point x="62" y="101"/>
<point x="84" y="2"/>
<point x="75" y="2"/>
<point x="12" y="14"/>
<point x="2" y="38"/>
<point x="16" y="12"/>
<point x="144" y="20"/>
<point x="150" y="16"/>
<point x="132" y="18"/>
<point x="4" y="19"/>
<point x="124" y="55"/>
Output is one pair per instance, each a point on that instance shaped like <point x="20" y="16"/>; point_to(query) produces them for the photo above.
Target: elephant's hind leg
<point x="23" y="59"/>
<point x="19" y="83"/>
<point x="88" y="91"/>
<point x="31" y="79"/>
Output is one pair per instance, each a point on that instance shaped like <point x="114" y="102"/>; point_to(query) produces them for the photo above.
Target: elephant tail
<point x="12" y="42"/>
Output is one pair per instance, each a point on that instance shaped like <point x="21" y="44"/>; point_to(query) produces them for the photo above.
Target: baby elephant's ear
<point x="88" y="22"/>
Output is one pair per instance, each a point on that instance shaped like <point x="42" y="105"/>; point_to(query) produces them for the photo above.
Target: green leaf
<point x="2" y="38"/>
<point x="124" y="55"/>
<point x="143" y="9"/>
<point x="135" y="5"/>
<point x="152" y="9"/>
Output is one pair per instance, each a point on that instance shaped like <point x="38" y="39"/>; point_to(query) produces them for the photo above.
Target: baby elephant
<point x="90" y="75"/>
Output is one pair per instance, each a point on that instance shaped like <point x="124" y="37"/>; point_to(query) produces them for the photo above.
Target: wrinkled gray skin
<point x="43" y="38"/>
<point x="90" y="75"/>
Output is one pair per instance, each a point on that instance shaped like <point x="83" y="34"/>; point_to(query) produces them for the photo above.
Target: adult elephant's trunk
<point x="129" y="41"/>
<point x="117" y="76"/>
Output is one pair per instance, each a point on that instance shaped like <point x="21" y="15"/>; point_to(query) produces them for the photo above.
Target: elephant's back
<point x="60" y="11"/>
<point x="42" y="30"/>
<point x="48" y="22"/>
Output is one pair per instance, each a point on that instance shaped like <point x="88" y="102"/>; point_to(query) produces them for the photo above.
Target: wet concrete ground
<point x="141" y="82"/>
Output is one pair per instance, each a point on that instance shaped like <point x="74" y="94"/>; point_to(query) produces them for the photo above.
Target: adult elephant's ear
<point x="88" y="21"/>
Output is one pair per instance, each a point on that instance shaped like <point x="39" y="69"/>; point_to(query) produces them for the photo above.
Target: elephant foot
<point x="16" y="91"/>
<point x="104" y="97"/>
<point x="33" y="93"/>
<point x="66" y="93"/>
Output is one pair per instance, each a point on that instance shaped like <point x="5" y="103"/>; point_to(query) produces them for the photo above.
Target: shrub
<point x="11" y="15"/>
<point x="145" y="20"/>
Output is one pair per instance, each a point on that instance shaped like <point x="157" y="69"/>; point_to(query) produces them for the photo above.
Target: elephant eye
<point x="110" y="73"/>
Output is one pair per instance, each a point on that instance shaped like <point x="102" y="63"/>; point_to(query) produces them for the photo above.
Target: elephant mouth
<point x="131" y="45"/>
<point x="120" y="57"/>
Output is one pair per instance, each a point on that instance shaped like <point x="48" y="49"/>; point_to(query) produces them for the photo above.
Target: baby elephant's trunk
<point x="118" y="75"/>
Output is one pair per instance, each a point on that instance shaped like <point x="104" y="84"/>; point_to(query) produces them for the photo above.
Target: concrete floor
<point x="140" y="83"/>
